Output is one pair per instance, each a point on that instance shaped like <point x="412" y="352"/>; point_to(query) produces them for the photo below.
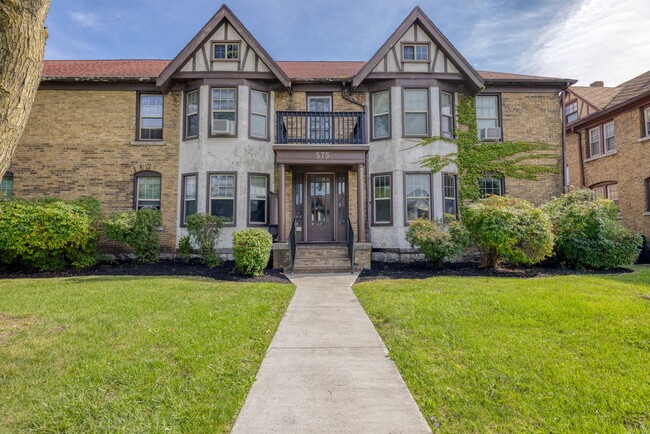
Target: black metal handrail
<point x="292" y="244"/>
<point x="351" y="245"/>
<point x="347" y="128"/>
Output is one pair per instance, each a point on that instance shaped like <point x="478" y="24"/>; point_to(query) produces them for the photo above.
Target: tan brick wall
<point x="79" y="143"/>
<point x="534" y="117"/>
<point x="629" y="167"/>
<point x="573" y="161"/>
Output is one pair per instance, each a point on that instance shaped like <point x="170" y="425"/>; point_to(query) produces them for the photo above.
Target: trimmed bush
<point x="49" y="234"/>
<point x="588" y="233"/>
<point x="252" y="250"/>
<point x="138" y="230"/>
<point x="185" y="248"/>
<point x="436" y="241"/>
<point x="508" y="228"/>
<point x="204" y="230"/>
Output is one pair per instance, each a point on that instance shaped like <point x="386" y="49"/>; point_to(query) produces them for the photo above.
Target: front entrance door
<point x="320" y="207"/>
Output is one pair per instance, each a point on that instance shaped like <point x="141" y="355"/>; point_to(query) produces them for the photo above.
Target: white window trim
<point x="225" y="44"/>
<point x="406" y="197"/>
<point x="184" y="192"/>
<point x="450" y="116"/>
<point x="266" y="200"/>
<point x="605" y="137"/>
<point x="137" y="190"/>
<point x="454" y="177"/>
<point x="389" y="199"/>
<point x="415" y="52"/>
<point x="233" y="197"/>
<point x="426" y="112"/>
<point x="496" y="118"/>
<point x="213" y="111"/>
<point x="646" y="123"/>
<point x="592" y="142"/>
<point x="161" y="117"/>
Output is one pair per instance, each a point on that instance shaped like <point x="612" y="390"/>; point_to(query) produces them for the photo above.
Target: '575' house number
<point x="322" y="155"/>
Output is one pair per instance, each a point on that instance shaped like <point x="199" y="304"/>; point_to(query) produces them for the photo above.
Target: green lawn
<point x="127" y="354"/>
<point x="561" y="354"/>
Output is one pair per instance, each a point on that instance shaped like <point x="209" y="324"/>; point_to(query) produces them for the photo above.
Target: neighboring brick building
<point x="607" y="140"/>
<point x="325" y="148"/>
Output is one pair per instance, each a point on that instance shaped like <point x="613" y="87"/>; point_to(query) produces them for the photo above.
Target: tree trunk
<point x="22" y="45"/>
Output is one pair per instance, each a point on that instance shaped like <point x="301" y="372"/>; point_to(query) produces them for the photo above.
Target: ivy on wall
<point x="474" y="159"/>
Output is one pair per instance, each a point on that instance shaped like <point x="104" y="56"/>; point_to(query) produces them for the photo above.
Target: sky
<point x="587" y="40"/>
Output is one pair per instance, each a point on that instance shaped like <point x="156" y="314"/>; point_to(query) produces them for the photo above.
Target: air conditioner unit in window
<point x="223" y="126"/>
<point x="491" y="134"/>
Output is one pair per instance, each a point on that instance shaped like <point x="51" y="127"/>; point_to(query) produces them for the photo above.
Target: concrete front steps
<point x="315" y="258"/>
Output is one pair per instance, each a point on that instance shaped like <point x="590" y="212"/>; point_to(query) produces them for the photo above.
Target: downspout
<point x="582" y="163"/>
<point x="565" y="186"/>
<point x="368" y="204"/>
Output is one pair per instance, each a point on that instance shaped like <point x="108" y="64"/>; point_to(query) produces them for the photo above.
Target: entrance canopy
<point x="332" y="155"/>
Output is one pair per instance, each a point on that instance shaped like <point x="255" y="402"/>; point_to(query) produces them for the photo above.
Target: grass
<point x="131" y="354"/>
<point x="560" y="354"/>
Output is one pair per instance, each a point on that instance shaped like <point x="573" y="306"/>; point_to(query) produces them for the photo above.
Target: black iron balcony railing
<point x="346" y="128"/>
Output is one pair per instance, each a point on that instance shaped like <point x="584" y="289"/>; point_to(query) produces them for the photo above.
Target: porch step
<point x="322" y="259"/>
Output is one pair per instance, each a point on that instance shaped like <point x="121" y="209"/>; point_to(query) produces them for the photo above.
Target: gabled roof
<point x="224" y="13"/>
<point x="103" y="69"/>
<point x="297" y="70"/>
<point x="418" y="16"/>
<point x="599" y="97"/>
<point x="631" y="89"/>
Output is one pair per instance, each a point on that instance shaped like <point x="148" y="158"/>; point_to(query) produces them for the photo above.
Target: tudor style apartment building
<point x="318" y="152"/>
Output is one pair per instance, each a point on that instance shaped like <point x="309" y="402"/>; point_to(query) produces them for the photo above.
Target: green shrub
<point x="588" y="233"/>
<point x="185" y="248"/>
<point x="47" y="235"/>
<point x="436" y="241"/>
<point x="252" y="250"/>
<point x="138" y="230"/>
<point x="204" y="230"/>
<point x="508" y="228"/>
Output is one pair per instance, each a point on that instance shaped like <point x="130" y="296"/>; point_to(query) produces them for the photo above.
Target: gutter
<point x="91" y="79"/>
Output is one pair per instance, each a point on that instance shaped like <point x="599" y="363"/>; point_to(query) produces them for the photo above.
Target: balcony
<point x="332" y="128"/>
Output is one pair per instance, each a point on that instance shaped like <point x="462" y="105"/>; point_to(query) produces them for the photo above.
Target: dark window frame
<point x="453" y="115"/>
<point x="499" y="110"/>
<point x="186" y="114"/>
<point x="248" y="199"/>
<point x="414" y="44"/>
<point x="225" y="44"/>
<point x="566" y="115"/>
<point x="374" y="221"/>
<point x="250" y="114"/>
<point x="183" y="199"/>
<point x="604" y="185"/>
<point x="138" y="117"/>
<point x="145" y="174"/>
<point x="407" y="222"/>
<point x="372" y="117"/>
<point x="646" y="183"/>
<point x="210" y="112"/>
<point x="234" y="199"/>
<point x="444" y="196"/>
<point x="8" y="176"/>
<point x="428" y="116"/>
<point x="502" y="183"/>
<point x="645" y="122"/>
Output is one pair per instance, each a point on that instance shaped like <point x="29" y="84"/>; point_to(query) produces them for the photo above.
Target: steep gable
<point x="223" y="27"/>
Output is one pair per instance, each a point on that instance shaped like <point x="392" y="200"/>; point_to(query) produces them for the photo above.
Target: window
<point x="192" y="114"/>
<point x="7" y="186"/>
<point x="224" y="111"/>
<point x="571" y="112"/>
<point x="594" y="142"/>
<point x="225" y="51"/>
<point x="258" y="187"/>
<point x="222" y="188"/>
<point x="446" y="114"/>
<point x="491" y="185"/>
<point x="416" y="112"/>
<point x="259" y="114"/>
<point x="450" y="193"/>
<point x="188" y="201"/>
<point x="647" y="194"/>
<point x="382" y="200"/>
<point x="415" y="52"/>
<point x="150" y="117"/>
<point x="381" y="114"/>
<point x="487" y="115"/>
<point x="147" y="190"/>
<point x="418" y="196"/>
<point x="608" y="133"/>
<point x="607" y="190"/>
<point x="646" y="121"/>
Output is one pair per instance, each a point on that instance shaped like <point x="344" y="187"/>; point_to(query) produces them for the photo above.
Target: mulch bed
<point x="421" y="270"/>
<point x="165" y="267"/>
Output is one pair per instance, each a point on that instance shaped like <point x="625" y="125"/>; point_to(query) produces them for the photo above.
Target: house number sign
<point x="322" y="155"/>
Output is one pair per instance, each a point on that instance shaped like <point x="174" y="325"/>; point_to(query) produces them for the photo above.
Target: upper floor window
<point x="147" y="190"/>
<point x="188" y="200"/>
<point x="602" y="139"/>
<point x="7" y="186"/>
<point x="258" y="190"/>
<point x="446" y="114"/>
<point x="416" y="112"/>
<point x="571" y="112"/>
<point x="607" y="190"/>
<point x="418" y="196"/>
<point x="594" y="142"/>
<point x="487" y="117"/>
<point x="225" y="51"/>
<point x="450" y="193"/>
<point x="192" y="114"/>
<point x="381" y="114"/>
<point x="415" y="52"/>
<point x="381" y="199"/>
<point x="646" y="121"/>
<point x="259" y="114"/>
<point x="150" y="115"/>
<point x="224" y="111"/>
<point x="608" y="133"/>
<point x="491" y="185"/>
<point x="222" y="188"/>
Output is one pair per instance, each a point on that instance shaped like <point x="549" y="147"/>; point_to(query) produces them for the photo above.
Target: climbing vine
<point x="474" y="159"/>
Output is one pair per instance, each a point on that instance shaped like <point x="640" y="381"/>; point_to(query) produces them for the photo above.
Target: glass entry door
<point x="320" y="126"/>
<point x="320" y="207"/>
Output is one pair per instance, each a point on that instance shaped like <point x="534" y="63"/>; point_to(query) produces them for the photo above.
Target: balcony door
<point x="320" y="126"/>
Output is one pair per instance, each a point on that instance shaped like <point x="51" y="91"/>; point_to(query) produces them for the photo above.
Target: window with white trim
<point x="418" y="196"/>
<point x="594" y="142"/>
<point x="646" y="121"/>
<point x="259" y="114"/>
<point x="225" y="51"/>
<point x="609" y="135"/>
<point x="487" y="111"/>
<point x="192" y="114"/>
<point x="147" y="190"/>
<point x="151" y="117"/>
<point x="7" y="186"/>
<point x="222" y="196"/>
<point x="189" y="197"/>
<point x="416" y="112"/>
<point x="258" y="188"/>
<point x="381" y="114"/>
<point x="446" y="114"/>
<point x="450" y="193"/>
<point x="415" y="52"/>
<point x="490" y="186"/>
<point x="382" y="199"/>
<point x="224" y="111"/>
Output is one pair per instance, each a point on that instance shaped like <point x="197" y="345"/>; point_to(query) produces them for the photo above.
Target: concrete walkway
<point x="327" y="370"/>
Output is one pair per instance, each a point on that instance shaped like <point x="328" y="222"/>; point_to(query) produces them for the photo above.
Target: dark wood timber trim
<point x="312" y="155"/>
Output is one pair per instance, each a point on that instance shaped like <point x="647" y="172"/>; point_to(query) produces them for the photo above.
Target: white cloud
<point x="600" y="40"/>
<point x="85" y="19"/>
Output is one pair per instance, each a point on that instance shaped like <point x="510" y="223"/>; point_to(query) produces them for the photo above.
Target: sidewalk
<point x="327" y="370"/>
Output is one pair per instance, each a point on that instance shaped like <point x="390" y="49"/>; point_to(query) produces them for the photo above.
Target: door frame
<point x="335" y="203"/>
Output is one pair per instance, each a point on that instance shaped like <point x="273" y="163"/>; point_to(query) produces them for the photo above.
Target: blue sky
<point x="583" y="39"/>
